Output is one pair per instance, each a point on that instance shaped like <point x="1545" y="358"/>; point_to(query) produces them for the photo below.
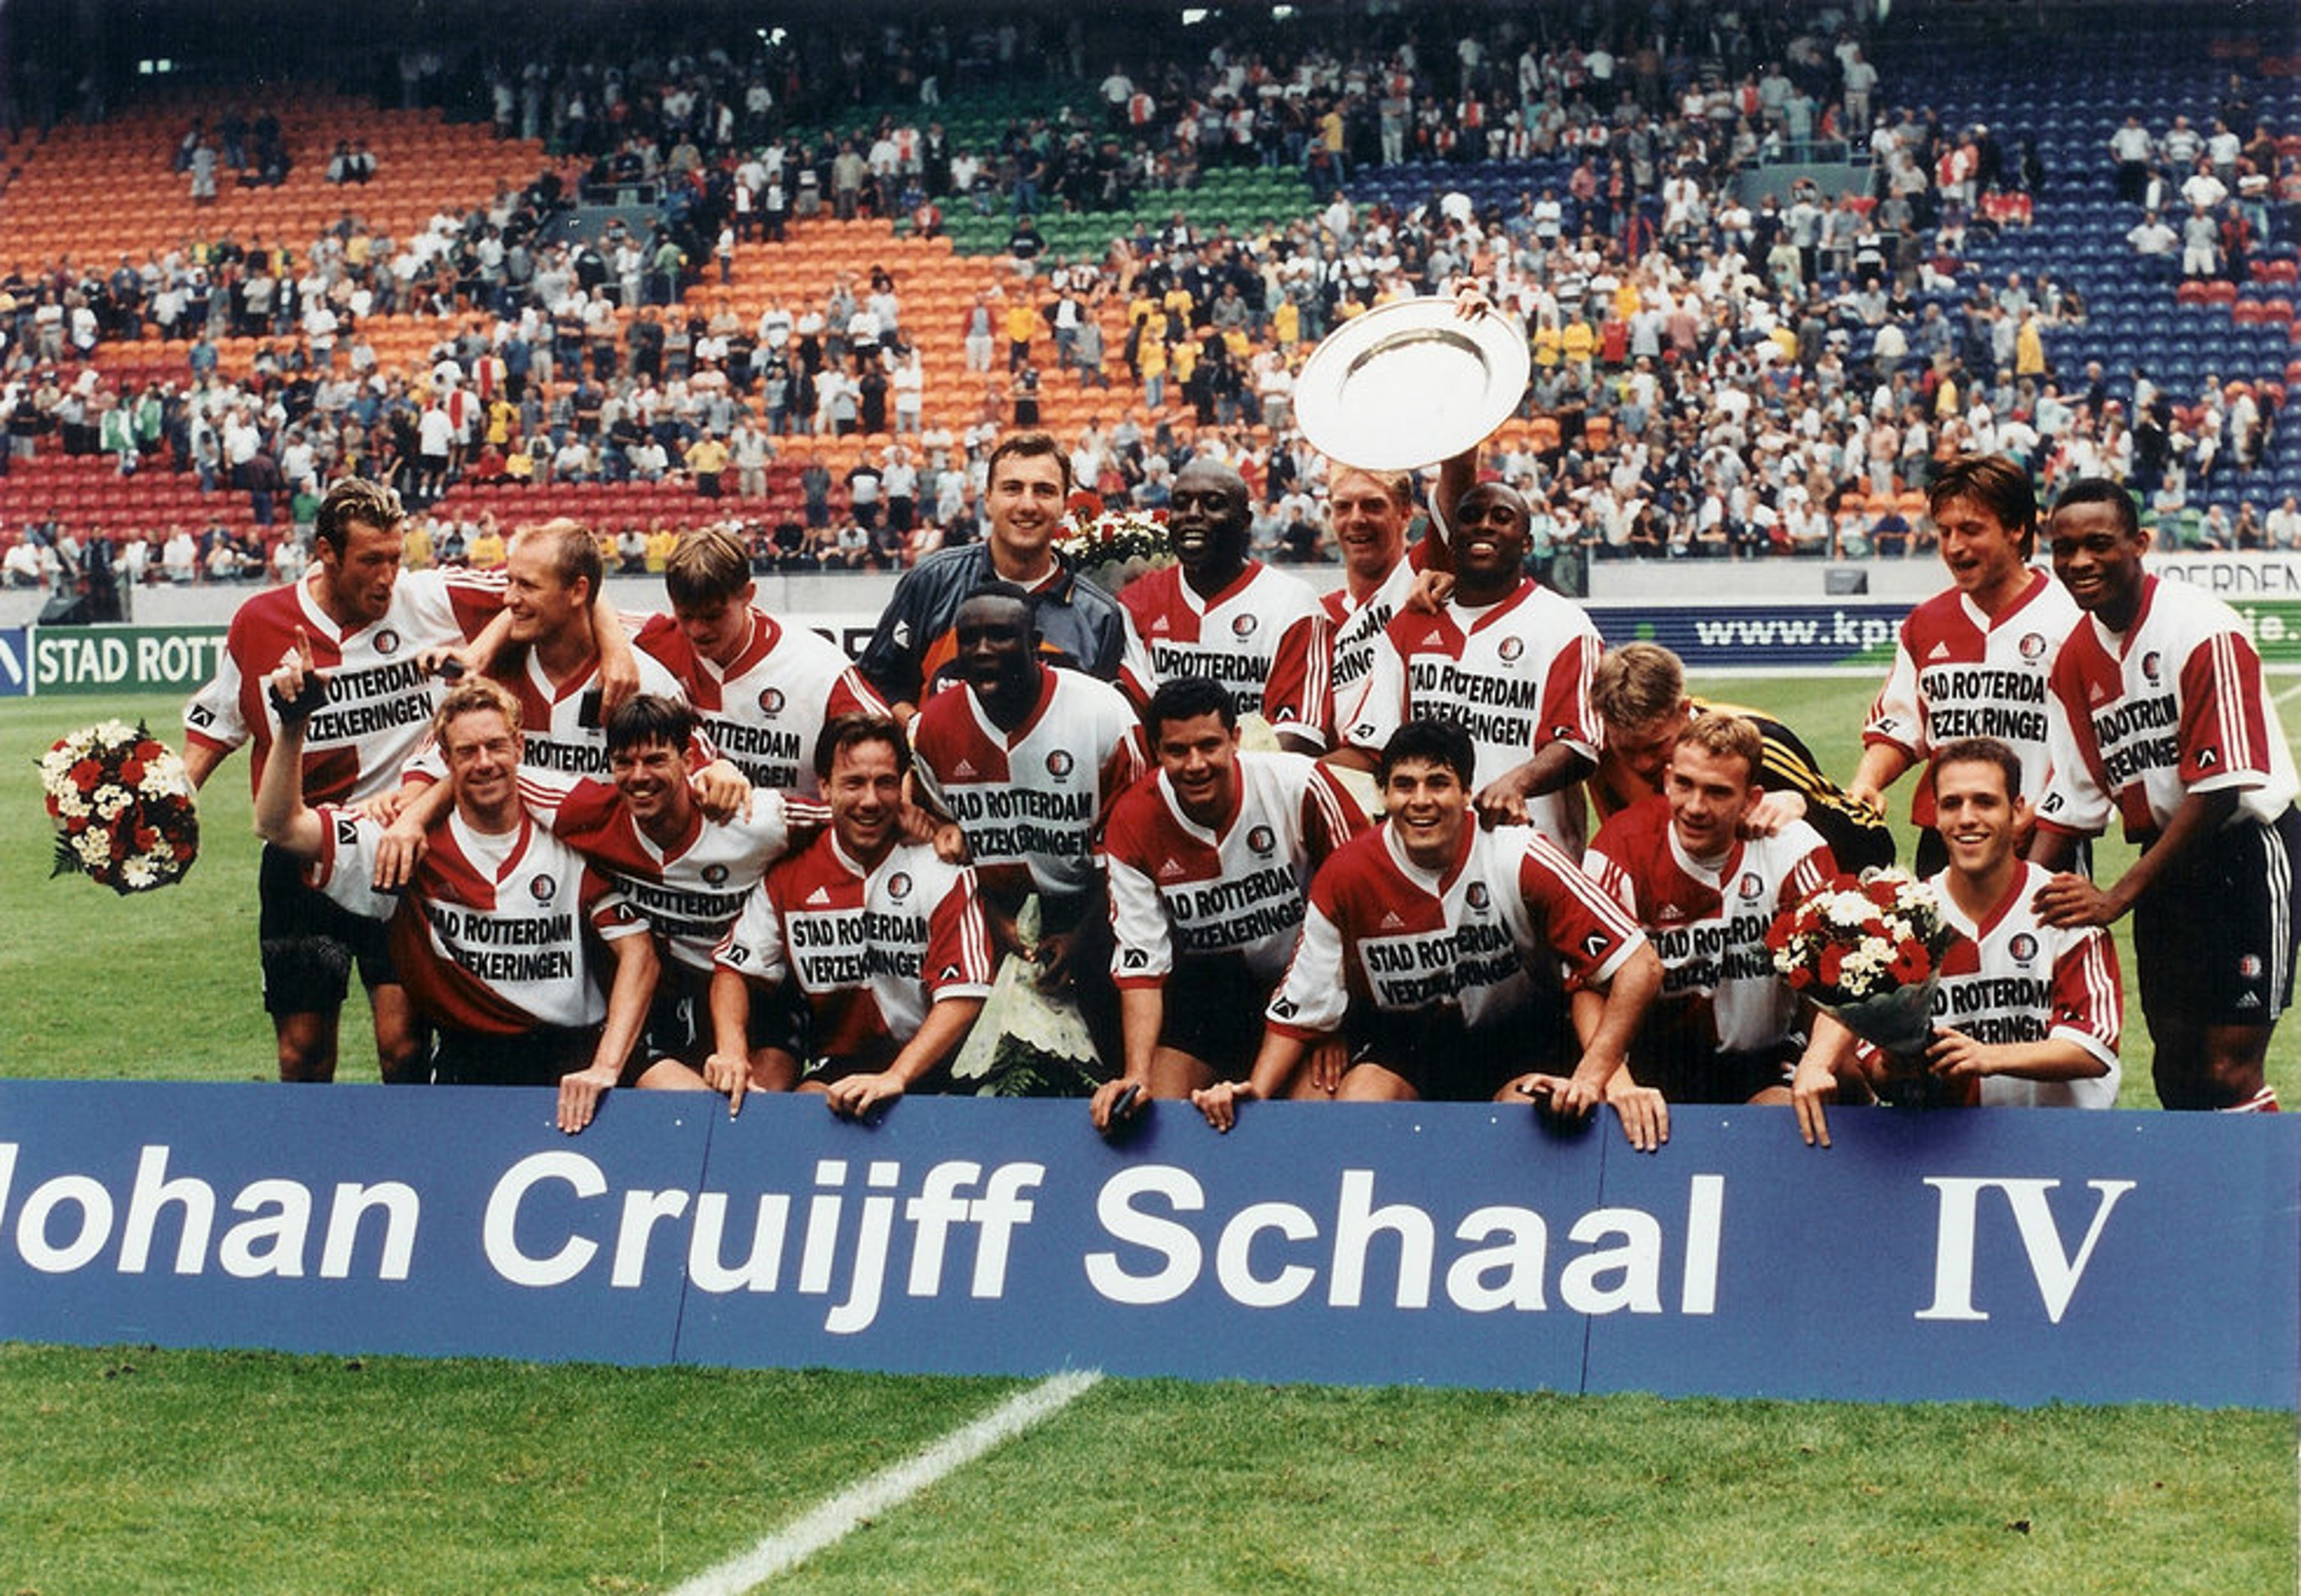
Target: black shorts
<point x="2214" y="937"/>
<point x="1447" y="1062"/>
<point x="537" y="1058"/>
<point x="1213" y="1012"/>
<point x="679" y="1018"/>
<point x="310" y="942"/>
<point x="1680" y="1062"/>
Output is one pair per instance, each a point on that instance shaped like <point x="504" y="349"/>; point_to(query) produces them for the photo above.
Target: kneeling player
<point x="1209" y="857"/>
<point x="1728" y="1027"/>
<point x="687" y="870"/>
<point x="1432" y="948"/>
<point x="883" y="941"/>
<point x="493" y="933"/>
<point x="2028" y="1014"/>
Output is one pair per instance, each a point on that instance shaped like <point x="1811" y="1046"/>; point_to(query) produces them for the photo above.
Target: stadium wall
<point x="2022" y="1257"/>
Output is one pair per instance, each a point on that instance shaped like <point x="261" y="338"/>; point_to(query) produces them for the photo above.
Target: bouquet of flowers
<point x="121" y="803"/>
<point x="1869" y="950"/>
<point x="1112" y="548"/>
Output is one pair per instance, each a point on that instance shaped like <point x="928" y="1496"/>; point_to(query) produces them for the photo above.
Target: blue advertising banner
<point x="15" y="662"/>
<point x="1772" y="636"/>
<point x="2015" y="1256"/>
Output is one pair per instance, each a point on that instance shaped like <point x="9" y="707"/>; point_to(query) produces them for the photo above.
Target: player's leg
<point x="305" y="1044"/>
<point x="1368" y="1082"/>
<point x="403" y="1042"/>
<point x="2235" y="1069"/>
<point x="1175" y="1073"/>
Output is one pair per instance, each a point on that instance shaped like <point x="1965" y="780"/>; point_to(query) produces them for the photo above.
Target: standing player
<point x="1639" y="694"/>
<point x="492" y="933"/>
<point x="2159" y="717"/>
<point x="1369" y="513"/>
<point x="1431" y="947"/>
<point x="1973" y="661"/>
<point x="764" y="691"/>
<point x="1218" y="614"/>
<point x="555" y="659"/>
<point x="375" y="632"/>
<point x="1209" y="859"/>
<point x="884" y="941"/>
<point x="1505" y="658"/>
<point x="1028" y="758"/>
<point x="1077" y="623"/>
<point x="1726" y="1027"/>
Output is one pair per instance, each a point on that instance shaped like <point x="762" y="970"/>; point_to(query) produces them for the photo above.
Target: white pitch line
<point x="2289" y="695"/>
<point x="859" y="1504"/>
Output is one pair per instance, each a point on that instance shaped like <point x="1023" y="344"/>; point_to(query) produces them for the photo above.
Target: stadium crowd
<point x="1712" y="378"/>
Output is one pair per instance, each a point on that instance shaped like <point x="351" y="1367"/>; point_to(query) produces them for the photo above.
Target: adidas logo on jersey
<point x="1940" y="651"/>
<point x="965" y="771"/>
<point x="1390" y="920"/>
<point x="1168" y="871"/>
<point x="819" y="898"/>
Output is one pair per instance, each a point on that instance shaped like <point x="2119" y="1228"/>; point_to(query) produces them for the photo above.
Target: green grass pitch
<point x="133" y="1470"/>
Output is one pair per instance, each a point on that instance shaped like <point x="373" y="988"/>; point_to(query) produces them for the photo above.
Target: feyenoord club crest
<point x="771" y="701"/>
<point x="2033" y="646"/>
<point x="899" y="886"/>
<point x="1262" y="840"/>
<point x="716" y="874"/>
<point x="543" y="889"/>
<point x="1477" y="896"/>
<point x="1242" y="626"/>
<point x="1511" y="647"/>
<point x="386" y="642"/>
<point x="2023" y="947"/>
<point x="2152" y="667"/>
<point x="1750" y="886"/>
<point x="1059" y="762"/>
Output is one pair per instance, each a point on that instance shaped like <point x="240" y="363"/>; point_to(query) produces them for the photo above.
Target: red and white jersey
<point x="489" y="935"/>
<point x="1515" y="675"/>
<point x="1031" y="801"/>
<point x="1358" y="627"/>
<point x="1383" y="933"/>
<point x="1708" y="920"/>
<point x="551" y="713"/>
<point x="871" y="949"/>
<point x="766" y="709"/>
<point x="380" y="701"/>
<point x="1958" y="672"/>
<point x="1264" y="637"/>
<point x="1179" y="889"/>
<point x="2176" y="705"/>
<point x="691" y="890"/>
<point x="2013" y="978"/>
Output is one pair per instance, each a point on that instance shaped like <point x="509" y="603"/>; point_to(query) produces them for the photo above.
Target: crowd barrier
<point x="2016" y="1256"/>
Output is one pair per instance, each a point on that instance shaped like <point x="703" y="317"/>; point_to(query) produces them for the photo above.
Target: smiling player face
<point x="865" y="792"/>
<point x="1426" y="803"/>
<point x="1199" y="758"/>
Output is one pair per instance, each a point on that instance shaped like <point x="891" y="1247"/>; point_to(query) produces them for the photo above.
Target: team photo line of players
<point x="1227" y="921"/>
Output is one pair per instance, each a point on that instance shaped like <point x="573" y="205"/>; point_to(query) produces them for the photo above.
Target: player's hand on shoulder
<point x="1772" y="812"/>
